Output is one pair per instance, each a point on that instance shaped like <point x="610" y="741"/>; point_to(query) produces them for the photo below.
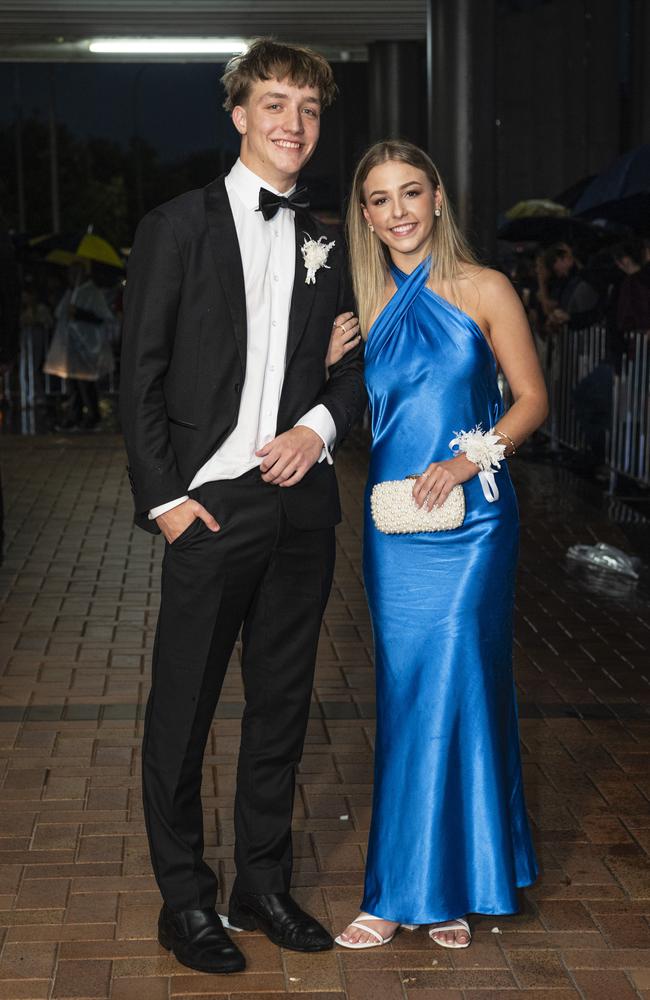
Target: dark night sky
<point x="179" y="107"/>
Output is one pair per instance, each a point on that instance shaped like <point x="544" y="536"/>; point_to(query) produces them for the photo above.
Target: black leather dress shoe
<point x="198" y="940"/>
<point x="281" y="919"/>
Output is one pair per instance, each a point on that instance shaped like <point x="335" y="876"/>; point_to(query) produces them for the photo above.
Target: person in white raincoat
<point x="80" y="350"/>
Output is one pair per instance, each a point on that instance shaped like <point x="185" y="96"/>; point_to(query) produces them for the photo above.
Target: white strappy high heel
<point x="453" y="925"/>
<point x="379" y="939"/>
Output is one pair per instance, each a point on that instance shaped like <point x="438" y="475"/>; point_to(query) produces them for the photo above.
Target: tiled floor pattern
<point x="78" y="903"/>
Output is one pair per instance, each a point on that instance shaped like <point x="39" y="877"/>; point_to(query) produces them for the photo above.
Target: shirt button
<point x="273" y="322"/>
<point x="271" y="368"/>
<point x="276" y="277"/>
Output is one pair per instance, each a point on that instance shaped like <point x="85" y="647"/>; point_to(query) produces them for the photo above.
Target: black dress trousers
<point x="262" y="575"/>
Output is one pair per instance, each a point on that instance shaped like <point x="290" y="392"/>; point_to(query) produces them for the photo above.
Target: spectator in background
<point x="569" y="297"/>
<point x="543" y="295"/>
<point x="9" y="325"/>
<point x="633" y="307"/>
<point x="80" y="350"/>
<point x="521" y="271"/>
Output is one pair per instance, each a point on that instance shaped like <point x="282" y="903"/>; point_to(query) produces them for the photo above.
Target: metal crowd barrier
<point x="621" y="376"/>
<point x="568" y="357"/>
<point x="629" y="445"/>
<point x="35" y="386"/>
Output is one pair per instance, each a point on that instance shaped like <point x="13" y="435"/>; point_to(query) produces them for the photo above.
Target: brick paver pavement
<point x="78" y="903"/>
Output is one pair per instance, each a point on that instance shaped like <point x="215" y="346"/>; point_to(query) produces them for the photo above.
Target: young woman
<point x="449" y="834"/>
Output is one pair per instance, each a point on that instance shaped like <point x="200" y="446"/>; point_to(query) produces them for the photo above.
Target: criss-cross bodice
<point x="429" y="372"/>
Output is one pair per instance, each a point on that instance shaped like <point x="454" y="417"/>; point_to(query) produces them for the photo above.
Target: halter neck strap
<point x="399" y="276"/>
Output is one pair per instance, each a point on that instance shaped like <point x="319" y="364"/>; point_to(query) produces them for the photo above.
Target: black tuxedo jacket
<point x="184" y="352"/>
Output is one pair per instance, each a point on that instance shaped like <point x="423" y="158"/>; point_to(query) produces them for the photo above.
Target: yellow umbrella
<point x="536" y="207"/>
<point x="67" y="248"/>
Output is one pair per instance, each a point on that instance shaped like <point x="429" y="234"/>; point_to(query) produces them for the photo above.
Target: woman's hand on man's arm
<point x="345" y="335"/>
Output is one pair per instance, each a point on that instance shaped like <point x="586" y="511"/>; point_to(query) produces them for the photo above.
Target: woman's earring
<point x="371" y="227"/>
<point x="437" y="212"/>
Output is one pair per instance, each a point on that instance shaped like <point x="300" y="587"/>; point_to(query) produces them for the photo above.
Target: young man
<point x="229" y="423"/>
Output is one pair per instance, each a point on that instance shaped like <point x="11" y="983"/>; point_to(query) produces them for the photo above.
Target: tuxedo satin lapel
<point x="227" y="257"/>
<point x="303" y="294"/>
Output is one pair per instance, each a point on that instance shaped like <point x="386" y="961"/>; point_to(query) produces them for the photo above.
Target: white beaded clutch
<point x="395" y="512"/>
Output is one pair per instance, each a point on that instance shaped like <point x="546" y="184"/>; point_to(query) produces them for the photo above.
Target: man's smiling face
<point x="279" y="125"/>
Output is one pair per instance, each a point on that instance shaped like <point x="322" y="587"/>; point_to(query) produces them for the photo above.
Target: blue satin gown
<point x="449" y="833"/>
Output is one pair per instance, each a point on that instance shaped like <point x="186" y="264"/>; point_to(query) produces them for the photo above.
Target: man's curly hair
<point x="266" y="59"/>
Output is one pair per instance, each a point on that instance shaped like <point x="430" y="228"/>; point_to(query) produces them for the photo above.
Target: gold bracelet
<point x="503" y="434"/>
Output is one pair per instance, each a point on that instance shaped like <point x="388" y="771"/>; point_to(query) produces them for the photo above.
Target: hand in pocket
<point x="176" y="521"/>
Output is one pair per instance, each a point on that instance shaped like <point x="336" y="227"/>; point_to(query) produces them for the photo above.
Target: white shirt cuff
<point x="164" y="507"/>
<point x="319" y="419"/>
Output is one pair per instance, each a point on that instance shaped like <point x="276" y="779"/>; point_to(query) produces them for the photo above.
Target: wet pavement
<point x="78" y="903"/>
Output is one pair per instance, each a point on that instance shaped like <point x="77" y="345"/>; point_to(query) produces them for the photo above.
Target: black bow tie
<point x="270" y="203"/>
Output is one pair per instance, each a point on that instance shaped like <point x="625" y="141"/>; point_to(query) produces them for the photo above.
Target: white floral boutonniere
<point x="315" y="254"/>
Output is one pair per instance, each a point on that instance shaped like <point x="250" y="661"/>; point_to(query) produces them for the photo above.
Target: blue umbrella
<point x="621" y="193"/>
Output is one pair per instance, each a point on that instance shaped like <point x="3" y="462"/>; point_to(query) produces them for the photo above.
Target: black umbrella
<point x="571" y="194"/>
<point x="548" y="229"/>
<point x="621" y="193"/>
<point x="632" y="212"/>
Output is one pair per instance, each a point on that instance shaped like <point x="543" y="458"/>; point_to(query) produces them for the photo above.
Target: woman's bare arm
<point x="497" y="309"/>
<point x="513" y="345"/>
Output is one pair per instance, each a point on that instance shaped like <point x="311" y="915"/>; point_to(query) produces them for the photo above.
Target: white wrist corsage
<point x="485" y="449"/>
<point x="315" y="254"/>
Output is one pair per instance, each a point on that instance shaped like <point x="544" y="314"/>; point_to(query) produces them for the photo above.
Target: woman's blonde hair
<point x="370" y="258"/>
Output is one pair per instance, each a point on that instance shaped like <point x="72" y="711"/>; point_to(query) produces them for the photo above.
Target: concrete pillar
<point x="350" y="113"/>
<point x="639" y="100"/>
<point x="396" y="76"/>
<point x="54" y="155"/>
<point x="18" y="150"/>
<point x="461" y="64"/>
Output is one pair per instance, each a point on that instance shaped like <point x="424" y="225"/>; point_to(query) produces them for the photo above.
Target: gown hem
<point x="420" y="922"/>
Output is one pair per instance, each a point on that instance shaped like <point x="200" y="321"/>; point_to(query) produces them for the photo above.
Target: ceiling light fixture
<point x="168" y="46"/>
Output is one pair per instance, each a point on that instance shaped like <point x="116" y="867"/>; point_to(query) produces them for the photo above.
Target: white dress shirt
<point x="268" y="254"/>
